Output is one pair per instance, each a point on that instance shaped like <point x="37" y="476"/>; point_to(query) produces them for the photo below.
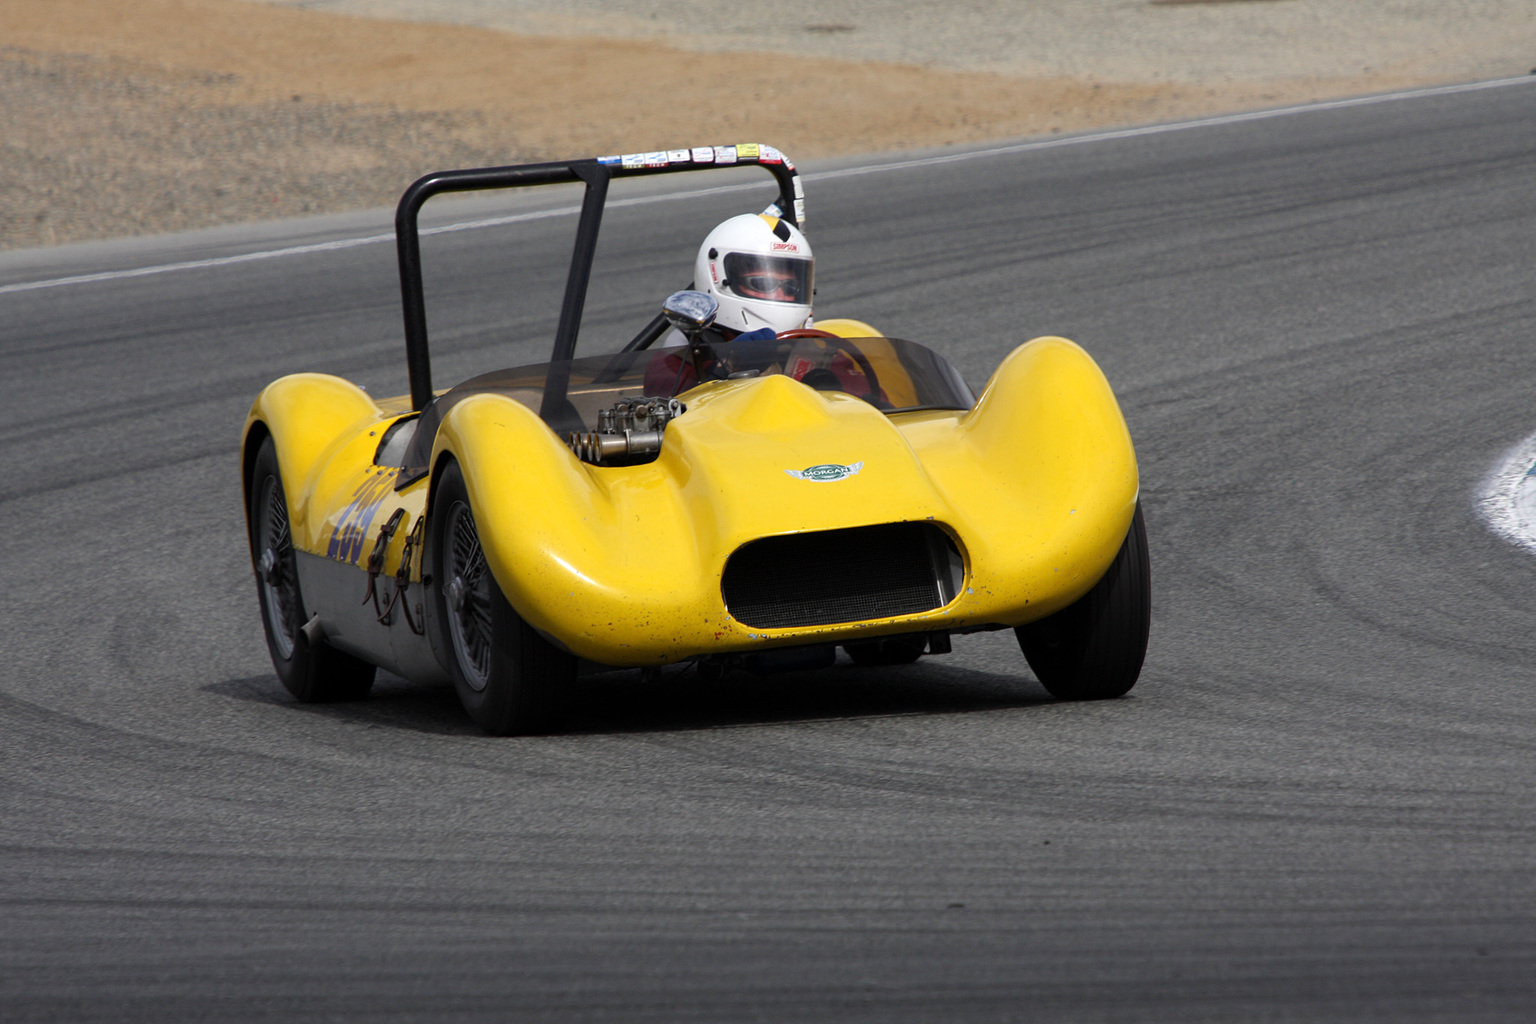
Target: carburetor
<point x="629" y="432"/>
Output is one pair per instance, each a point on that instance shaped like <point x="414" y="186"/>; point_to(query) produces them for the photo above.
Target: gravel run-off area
<point x="161" y="115"/>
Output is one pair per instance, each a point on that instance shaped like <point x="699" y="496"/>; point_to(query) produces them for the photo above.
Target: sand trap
<point x="165" y="114"/>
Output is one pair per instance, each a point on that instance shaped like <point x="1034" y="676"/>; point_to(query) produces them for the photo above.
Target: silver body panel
<point x="336" y="591"/>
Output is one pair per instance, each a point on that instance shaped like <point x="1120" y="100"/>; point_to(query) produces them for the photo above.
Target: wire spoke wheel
<point x="275" y="565"/>
<point x="310" y="670"/>
<point x="469" y="583"/>
<point x="508" y="677"/>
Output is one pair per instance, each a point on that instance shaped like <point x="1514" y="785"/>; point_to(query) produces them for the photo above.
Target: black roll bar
<point x="596" y="174"/>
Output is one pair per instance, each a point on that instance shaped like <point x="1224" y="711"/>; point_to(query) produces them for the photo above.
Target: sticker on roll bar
<point x="742" y="152"/>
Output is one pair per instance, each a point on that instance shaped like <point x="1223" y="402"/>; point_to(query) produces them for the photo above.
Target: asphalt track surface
<point x="1319" y="804"/>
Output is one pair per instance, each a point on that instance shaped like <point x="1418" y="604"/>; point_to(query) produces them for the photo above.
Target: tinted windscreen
<point x="891" y="374"/>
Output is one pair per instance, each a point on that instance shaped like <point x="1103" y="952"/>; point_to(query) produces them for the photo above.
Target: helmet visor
<point x="771" y="278"/>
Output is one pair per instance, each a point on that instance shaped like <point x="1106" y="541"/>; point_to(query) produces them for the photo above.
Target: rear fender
<point x="305" y="414"/>
<point x="846" y="328"/>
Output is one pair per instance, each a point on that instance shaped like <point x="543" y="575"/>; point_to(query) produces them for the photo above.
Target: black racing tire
<point x="1093" y="649"/>
<point x="509" y="678"/>
<point x="314" y="673"/>
<point x="890" y="650"/>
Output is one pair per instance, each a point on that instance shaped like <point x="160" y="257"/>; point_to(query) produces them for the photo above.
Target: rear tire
<point x="508" y="677"/>
<point x="1094" y="648"/>
<point x="313" y="673"/>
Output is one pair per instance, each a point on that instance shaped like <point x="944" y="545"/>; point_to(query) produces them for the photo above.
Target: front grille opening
<point x="835" y="576"/>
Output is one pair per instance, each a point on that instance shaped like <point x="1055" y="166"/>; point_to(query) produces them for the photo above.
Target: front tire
<point x="1094" y="648"/>
<point x="508" y="677"/>
<point x="314" y="673"/>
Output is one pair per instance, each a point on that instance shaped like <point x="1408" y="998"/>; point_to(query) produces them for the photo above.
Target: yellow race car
<point x="751" y="503"/>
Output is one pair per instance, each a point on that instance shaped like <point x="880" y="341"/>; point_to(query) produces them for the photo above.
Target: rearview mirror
<point x="690" y="312"/>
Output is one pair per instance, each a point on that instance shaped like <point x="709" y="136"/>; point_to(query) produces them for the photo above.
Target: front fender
<point x="1044" y="472"/>
<point x="554" y="534"/>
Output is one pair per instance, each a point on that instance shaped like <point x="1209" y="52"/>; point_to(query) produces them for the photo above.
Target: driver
<point x="761" y="271"/>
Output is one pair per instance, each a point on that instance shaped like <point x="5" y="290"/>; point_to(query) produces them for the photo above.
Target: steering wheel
<point x="876" y="395"/>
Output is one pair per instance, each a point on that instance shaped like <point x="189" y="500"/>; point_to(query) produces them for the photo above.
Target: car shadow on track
<point x="680" y="699"/>
<point x="393" y="703"/>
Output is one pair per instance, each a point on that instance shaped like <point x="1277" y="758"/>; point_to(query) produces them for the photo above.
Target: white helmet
<point x="761" y="271"/>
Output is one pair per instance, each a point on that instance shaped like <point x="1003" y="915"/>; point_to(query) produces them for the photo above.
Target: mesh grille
<point x="818" y="579"/>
